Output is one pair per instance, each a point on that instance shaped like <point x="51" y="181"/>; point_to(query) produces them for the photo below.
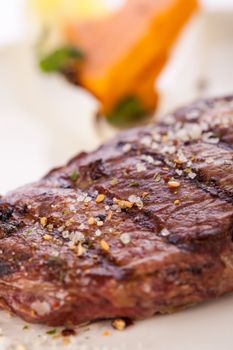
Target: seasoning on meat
<point x="163" y="243"/>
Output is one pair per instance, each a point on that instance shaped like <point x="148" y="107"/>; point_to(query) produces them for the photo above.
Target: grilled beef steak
<point x="140" y="226"/>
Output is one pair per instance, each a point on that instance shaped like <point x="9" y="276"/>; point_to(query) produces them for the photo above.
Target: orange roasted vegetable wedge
<point x="124" y="53"/>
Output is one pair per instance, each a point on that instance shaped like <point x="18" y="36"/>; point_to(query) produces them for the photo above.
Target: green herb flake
<point x="157" y="177"/>
<point x="25" y="327"/>
<point x="51" y="332"/>
<point x="62" y="276"/>
<point x="127" y="112"/>
<point x="114" y="182"/>
<point x="134" y="184"/>
<point x="60" y="59"/>
<point x="74" y="176"/>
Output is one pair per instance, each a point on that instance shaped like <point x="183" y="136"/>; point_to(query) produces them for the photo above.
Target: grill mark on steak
<point x="8" y="223"/>
<point x="154" y="220"/>
<point x="213" y="189"/>
<point x="225" y="145"/>
<point x="8" y="229"/>
<point x="6" y="269"/>
<point x="144" y="218"/>
<point x="6" y="212"/>
<point x="208" y="186"/>
<point x="95" y="170"/>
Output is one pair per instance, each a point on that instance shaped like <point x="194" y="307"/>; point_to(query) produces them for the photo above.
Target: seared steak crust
<point x="142" y="225"/>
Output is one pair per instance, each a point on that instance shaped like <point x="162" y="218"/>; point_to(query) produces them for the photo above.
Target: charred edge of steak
<point x="6" y="212"/>
<point x="94" y="170"/>
<point x="213" y="189"/>
<point x="11" y="263"/>
<point x="9" y="222"/>
<point x="6" y="268"/>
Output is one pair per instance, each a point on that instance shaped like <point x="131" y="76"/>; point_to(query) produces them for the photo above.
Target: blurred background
<point x="45" y="120"/>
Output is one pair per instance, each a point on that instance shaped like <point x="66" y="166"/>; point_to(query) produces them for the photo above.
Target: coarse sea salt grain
<point x="179" y="172"/>
<point x="209" y="160"/>
<point x="209" y="137"/>
<point x="193" y="114"/>
<point x="125" y="238"/>
<point x="82" y="226"/>
<point x="127" y="147"/>
<point x="181" y="157"/>
<point x="100" y="223"/>
<point x="133" y="198"/>
<point x="194" y="131"/>
<point x="136" y="200"/>
<point x="140" y="167"/>
<point x="169" y="119"/>
<point x="146" y="141"/>
<point x="65" y="234"/>
<point x="42" y="308"/>
<point x="77" y="236"/>
<point x="72" y="208"/>
<point x="87" y="199"/>
<point x="80" y="198"/>
<point x="168" y="149"/>
<point x="147" y="159"/>
<point x="98" y="233"/>
<point x="165" y="232"/>
<point x="192" y="175"/>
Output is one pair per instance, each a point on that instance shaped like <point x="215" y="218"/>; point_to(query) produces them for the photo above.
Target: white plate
<point x="205" y="327"/>
<point x="45" y="121"/>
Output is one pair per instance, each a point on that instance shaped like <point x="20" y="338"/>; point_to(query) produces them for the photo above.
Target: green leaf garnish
<point x="127" y="112"/>
<point x="60" y="59"/>
<point x="74" y="176"/>
<point x="51" y="332"/>
<point x="134" y="184"/>
<point x="62" y="276"/>
<point x="29" y="231"/>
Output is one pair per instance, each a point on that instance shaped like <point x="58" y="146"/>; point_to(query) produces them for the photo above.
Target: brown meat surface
<point x="142" y="225"/>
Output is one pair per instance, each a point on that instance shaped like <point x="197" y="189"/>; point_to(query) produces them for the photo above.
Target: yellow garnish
<point x="104" y="245"/>
<point x="47" y="237"/>
<point x="123" y="204"/>
<point x="66" y="341"/>
<point x="100" y="198"/>
<point x="114" y="182"/>
<point x="43" y="221"/>
<point x="119" y="324"/>
<point x="81" y="250"/>
<point x="106" y="334"/>
<point x="91" y="221"/>
<point x="60" y="10"/>
<point x="110" y="213"/>
<point x="173" y="184"/>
